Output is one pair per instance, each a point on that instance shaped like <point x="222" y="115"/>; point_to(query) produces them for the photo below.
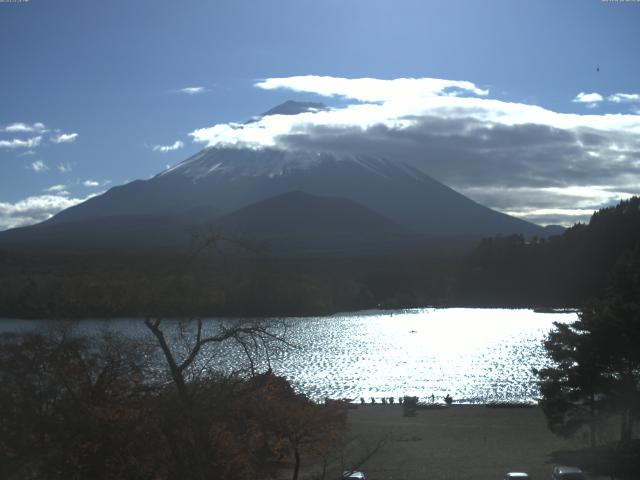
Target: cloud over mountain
<point x="520" y="158"/>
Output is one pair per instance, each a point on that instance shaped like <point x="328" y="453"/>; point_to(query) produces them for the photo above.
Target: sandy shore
<point x="460" y="442"/>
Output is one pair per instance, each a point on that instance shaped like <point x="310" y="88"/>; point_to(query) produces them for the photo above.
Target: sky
<point x="531" y="108"/>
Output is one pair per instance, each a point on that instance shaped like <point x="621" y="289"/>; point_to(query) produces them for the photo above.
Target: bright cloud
<point x="515" y="157"/>
<point x="397" y="104"/>
<point x="21" y="140"/>
<point x="583" y="97"/>
<point x="39" y="166"/>
<point x="32" y="142"/>
<point x="372" y="89"/>
<point x="64" y="138"/>
<point x="19" y="127"/>
<point x="192" y="90"/>
<point x="168" y="148"/>
<point x="34" y="209"/>
<point x="59" y="189"/>
<point x="624" y="97"/>
<point x="91" y="183"/>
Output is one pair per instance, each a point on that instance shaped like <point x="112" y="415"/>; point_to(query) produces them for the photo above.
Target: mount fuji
<point x="254" y="191"/>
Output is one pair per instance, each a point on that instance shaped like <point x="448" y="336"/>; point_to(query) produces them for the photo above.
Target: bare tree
<point x="256" y="339"/>
<point x="203" y="428"/>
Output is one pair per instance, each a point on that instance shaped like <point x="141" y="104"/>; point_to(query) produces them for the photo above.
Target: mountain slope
<point x="293" y="223"/>
<point x="297" y="223"/>
<point x="122" y="233"/>
<point x="227" y="179"/>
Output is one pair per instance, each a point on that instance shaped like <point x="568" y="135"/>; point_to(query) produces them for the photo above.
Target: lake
<point x="476" y="355"/>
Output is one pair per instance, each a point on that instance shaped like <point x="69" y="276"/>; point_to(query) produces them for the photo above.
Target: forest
<point x="562" y="271"/>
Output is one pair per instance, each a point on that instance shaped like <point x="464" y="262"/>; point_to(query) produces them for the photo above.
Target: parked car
<point x="517" y="476"/>
<point x="562" y="472"/>
<point x="353" y="475"/>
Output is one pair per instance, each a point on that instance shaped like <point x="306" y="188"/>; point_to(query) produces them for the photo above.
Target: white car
<point x="353" y="475"/>
<point x="567" y="473"/>
<point x="517" y="476"/>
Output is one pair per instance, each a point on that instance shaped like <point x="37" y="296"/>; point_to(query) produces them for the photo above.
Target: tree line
<point x="504" y="271"/>
<point x="561" y="271"/>
<point x="136" y="286"/>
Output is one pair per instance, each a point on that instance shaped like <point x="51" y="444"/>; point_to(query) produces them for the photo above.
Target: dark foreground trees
<point x="596" y="360"/>
<point x="68" y="406"/>
<point x="594" y="380"/>
<point x="596" y="371"/>
<point x="105" y="407"/>
<point x="595" y="385"/>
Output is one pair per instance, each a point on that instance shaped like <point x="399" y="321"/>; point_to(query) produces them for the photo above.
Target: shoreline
<point x="303" y="315"/>
<point x="338" y="313"/>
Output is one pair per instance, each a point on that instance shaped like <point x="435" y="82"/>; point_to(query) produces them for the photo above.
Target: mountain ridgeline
<point x="341" y="203"/>
<point x="227" y="179"/>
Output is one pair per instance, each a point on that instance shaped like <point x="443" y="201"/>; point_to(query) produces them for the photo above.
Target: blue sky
<point x="104" y="79"/>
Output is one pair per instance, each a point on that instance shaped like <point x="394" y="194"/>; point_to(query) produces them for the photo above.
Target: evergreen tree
<point x="573" y="389"/>
<point x="596" y="360"/>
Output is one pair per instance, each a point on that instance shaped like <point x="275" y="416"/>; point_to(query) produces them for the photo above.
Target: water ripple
<point x="476" y="355"/>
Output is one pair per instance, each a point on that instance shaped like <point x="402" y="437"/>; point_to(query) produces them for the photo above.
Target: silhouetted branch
<point x="259" y="334"/>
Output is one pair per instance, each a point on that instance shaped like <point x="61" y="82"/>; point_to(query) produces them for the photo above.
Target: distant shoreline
<point x="360" y="312"/>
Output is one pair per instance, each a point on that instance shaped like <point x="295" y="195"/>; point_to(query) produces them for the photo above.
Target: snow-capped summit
<point x="236" y="162"/>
